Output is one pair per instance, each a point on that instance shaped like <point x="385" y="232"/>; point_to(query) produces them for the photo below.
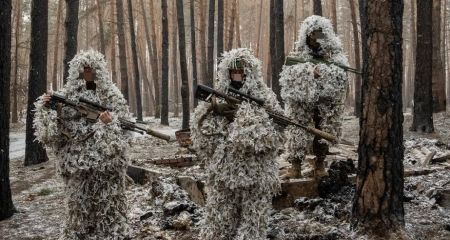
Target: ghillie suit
<point x="314" y="99"/>
<point x="239" y="155"/>
<point x="90" y="155"/>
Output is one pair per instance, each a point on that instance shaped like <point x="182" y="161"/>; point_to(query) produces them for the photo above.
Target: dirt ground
<point x="162" y="210"/>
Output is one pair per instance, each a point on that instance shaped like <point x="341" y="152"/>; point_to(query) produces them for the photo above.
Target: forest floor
<point x="163" y="210"/>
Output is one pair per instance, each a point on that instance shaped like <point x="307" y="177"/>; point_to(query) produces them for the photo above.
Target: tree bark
<point x="193" y="50"/>
<point x="272" y="42"/>
<point x="412" y="64"/>
<point x="147" y="83"/>
<point x="334" y="15"/>
<point x="203" y="56"/>
<point x="183" y="65"/>
<point x="100" y="27"/>
<point x="71" y="42"/>
<point x="156" y="76"/>
<point x="258" y="42"/>
<point x="175" y="88"/>
<point x="278" y="56"/>
<point x="231" y="29"/>
<point x="210" y="79"/>
<point x="56" y="46"/>
<point x="378" y="201"/>
<point x="14" y="111"/>
<point x="122" y="51"/>
<point x="153" y="67"/>
<point x="113" y="43"/>
<point x="6" y="204"/>
<point x="137" y="78"/>
<point x="358" y="105"/>
<point x="423" y="105"/>
<point x="438" y="85"/>
<point x="220" y="28"/>
<point x="238" y="26"/>
<point x="37" y="79"/>
<point x="165" y="66"/>
<point x="317" y="7"/>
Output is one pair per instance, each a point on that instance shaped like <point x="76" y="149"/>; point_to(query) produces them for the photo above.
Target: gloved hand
<point x="227" y="110"/>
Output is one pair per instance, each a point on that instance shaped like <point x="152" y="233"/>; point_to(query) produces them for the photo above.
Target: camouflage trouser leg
<point x="295" y="147"/>
<point x="320" y="146"/>
<point x="221" y="214"/>
<point x="328" y="118"/>
<point x="254" y="215"/>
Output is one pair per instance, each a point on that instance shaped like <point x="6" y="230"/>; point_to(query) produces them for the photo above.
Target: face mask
<point x="90" y="85"/>
<point x="237" y="78"/>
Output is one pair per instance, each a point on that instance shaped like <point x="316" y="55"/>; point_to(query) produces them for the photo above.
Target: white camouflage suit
<point x="239" y="156"/>
<point x="314" y="101"/>
<point x="90" y="155"/>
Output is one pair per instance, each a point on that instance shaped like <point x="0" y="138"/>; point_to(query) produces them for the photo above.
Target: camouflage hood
<point x="254" y="84"/>
<point x="331" y="44"/>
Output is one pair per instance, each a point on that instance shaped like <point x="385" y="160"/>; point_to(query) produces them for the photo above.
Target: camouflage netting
<point x="239" y="157"/>
<point x="90" y="154"/>
<point x="306" y="96"/>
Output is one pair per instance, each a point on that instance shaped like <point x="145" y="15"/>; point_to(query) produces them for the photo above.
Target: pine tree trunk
<point x="113" y="43"/>
<point x="317" y="7"/>
<point x="258" y="42"/>
<point x="412" y="70"/>
<point x="165" y="66"/>
<point x="154" y="68"/>
<point x="137" y="78"/>
<point x="203" y="56"/>
<point x="175" y="88"/>
<point x="193" y="50"/>
<point x="147" y="83"/>
<point x="439" y="98"/>
<point x="100" y="26"/>
<point x="210" y="79"/>
<point x="156" y="76"/>
<point x="278" y="56"/>
<point x="357" y="59"/>
<point x="183" y="65"/>
<point x="71" y="43"/>
<point x="423" y="105"/>
<point x="37" y="78"/>
<point x="272" y="43"/>
<point x="378" y="201"/>
<point x="122" y="51"/>
<point x="231" y="30"/>
<point x="220" y="28"/>
<point x="56" y="46"/>
<point x="238" y="26"/>
<point x="334" y="15"/>
<point x="6" y="204"/>
<point x="14" y="111"/>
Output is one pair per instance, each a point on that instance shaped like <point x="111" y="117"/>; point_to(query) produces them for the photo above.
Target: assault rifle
<point x="290" y="60"/>
<point x="205" y="93"/>
<point x="91" y="111"/>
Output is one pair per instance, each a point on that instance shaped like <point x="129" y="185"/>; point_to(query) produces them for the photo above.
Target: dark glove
<point x="224" y="109"/>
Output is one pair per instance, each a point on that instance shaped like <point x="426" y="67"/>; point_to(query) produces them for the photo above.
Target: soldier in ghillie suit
<point x="90" y="154"/>
<point x="314" y="92"/>
<point x="239" y="146"/>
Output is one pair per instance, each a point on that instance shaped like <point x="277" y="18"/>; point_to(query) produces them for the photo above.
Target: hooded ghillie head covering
<point x="253" y="84"/>
<point x="106" y="90"/>
<point x="330" y="43"/>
